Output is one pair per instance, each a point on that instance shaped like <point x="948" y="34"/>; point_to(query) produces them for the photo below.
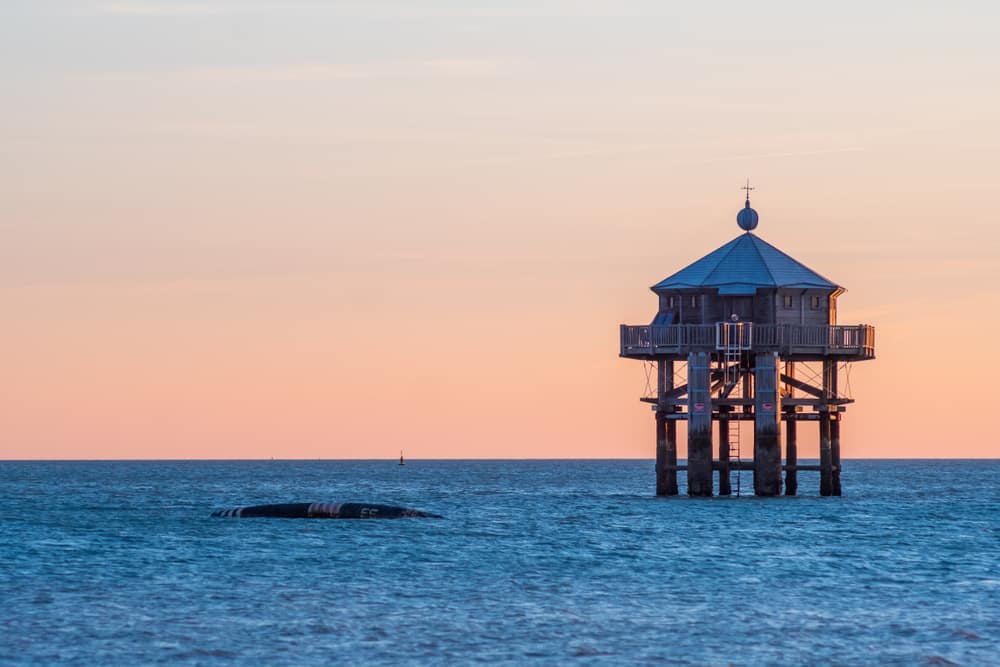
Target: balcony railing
<point x="786" y="339"/>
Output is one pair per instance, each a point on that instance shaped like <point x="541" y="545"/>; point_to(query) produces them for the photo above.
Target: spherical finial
<point x="747" y="218"/>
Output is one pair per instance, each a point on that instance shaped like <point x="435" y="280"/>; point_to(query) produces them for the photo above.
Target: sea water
<point x="538" y="562"/>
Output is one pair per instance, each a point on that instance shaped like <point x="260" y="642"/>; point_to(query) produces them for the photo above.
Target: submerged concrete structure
<point x="746" y="333"/>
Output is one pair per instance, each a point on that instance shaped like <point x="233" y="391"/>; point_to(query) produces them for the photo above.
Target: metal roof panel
<point x="746" y="261"/>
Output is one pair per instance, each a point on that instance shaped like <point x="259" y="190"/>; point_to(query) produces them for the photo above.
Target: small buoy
<point x="401" y="461"/>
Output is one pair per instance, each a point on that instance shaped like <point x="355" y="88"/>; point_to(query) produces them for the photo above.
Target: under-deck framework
<point x="734" y="372"/>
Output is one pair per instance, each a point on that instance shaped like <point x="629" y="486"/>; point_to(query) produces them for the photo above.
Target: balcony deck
<point x="790" y="341"/>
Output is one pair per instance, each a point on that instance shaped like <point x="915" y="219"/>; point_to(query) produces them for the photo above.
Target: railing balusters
<point x="785" y="338"/>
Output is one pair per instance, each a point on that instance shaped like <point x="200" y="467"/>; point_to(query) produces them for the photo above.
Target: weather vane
<point x="747" y="188"/>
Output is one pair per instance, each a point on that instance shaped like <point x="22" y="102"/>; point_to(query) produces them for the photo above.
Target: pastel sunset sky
<point x="245" y="229"/>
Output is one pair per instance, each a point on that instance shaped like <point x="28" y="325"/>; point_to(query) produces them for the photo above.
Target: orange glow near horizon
<point x="343" y="246"/>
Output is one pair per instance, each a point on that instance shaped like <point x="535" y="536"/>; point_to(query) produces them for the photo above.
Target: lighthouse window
<point x="670" y="302"/>
<point x="816" y="302"/>
<point x="694" y="301"/>
<point x="788" y="301"/>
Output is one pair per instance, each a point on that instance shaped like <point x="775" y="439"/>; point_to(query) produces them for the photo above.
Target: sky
<point x="252" y="229"/>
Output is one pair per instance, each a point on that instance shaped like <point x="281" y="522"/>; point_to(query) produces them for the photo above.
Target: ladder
<point x="734" y="339"/>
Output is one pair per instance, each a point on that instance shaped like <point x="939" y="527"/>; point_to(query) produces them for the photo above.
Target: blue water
<point x="541" y="562"/>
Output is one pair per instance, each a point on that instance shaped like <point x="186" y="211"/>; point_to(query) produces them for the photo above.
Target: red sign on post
<point x="768" y="407"/>
<point x="699" y="407"/>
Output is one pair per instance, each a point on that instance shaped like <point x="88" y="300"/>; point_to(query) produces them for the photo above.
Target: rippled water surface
<point x="542" y="562"/>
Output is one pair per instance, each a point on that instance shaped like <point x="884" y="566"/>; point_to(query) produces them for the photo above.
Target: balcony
<point x="805" y="342"/>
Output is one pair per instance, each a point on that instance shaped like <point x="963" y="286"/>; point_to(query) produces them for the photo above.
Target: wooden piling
<point x="791" y="456"/>
<point x="767" y="431"/>
<point x="666" y="432"/>
<point x="825" y="453"/>
<point x="835" y="453"/>
<point x="671" y="460"/>
<point x="825" y="456"/>
<point x="834" y="384"/>
<point x="725" y="487"/>
<point x="699" y="471"/>
<point x="661" y="453"/>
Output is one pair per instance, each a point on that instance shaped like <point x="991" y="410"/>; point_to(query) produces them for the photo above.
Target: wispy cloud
<point x="178" y="9"/>
<point x="296" y="72"/>
<point x="334" y="71"/>
<point x="618" y="151"/>
<point x="377" y="10"/>
<point x="761" y="156"/>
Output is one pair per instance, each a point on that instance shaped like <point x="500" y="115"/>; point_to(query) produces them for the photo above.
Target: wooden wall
<point x="807" y="307"/>
<point x="767" y="307"/>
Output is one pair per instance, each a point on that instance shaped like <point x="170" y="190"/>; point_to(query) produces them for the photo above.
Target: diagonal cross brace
<point x="803" y="386"/>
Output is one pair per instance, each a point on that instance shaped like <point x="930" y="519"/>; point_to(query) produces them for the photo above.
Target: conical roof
<point x="741" y="266"/>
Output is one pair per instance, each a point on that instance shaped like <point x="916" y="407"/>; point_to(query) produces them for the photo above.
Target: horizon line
<point x="392" y="459"/>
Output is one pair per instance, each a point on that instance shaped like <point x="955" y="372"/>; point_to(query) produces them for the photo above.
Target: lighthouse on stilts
<point x="747" y="333"/>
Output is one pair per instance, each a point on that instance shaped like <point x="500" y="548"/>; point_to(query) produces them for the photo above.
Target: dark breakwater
<point x="323" y="511"/>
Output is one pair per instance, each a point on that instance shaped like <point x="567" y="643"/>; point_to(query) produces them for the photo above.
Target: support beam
<point x="747" y="389"/>
<point x="726" y="370"/>
<point x="699" y="471"/>
<point x="767" y="428"/>
<point x="676" y="392"/>
<point x="748" y="465"/>
<point x="724" y="483"/>
<point x="791" y="457"/>
<point x="801" y="386"/>
<point x="787" y="391"/>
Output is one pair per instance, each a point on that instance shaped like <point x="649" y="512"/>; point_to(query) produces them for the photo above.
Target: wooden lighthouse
<point x="747" y="333"/>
